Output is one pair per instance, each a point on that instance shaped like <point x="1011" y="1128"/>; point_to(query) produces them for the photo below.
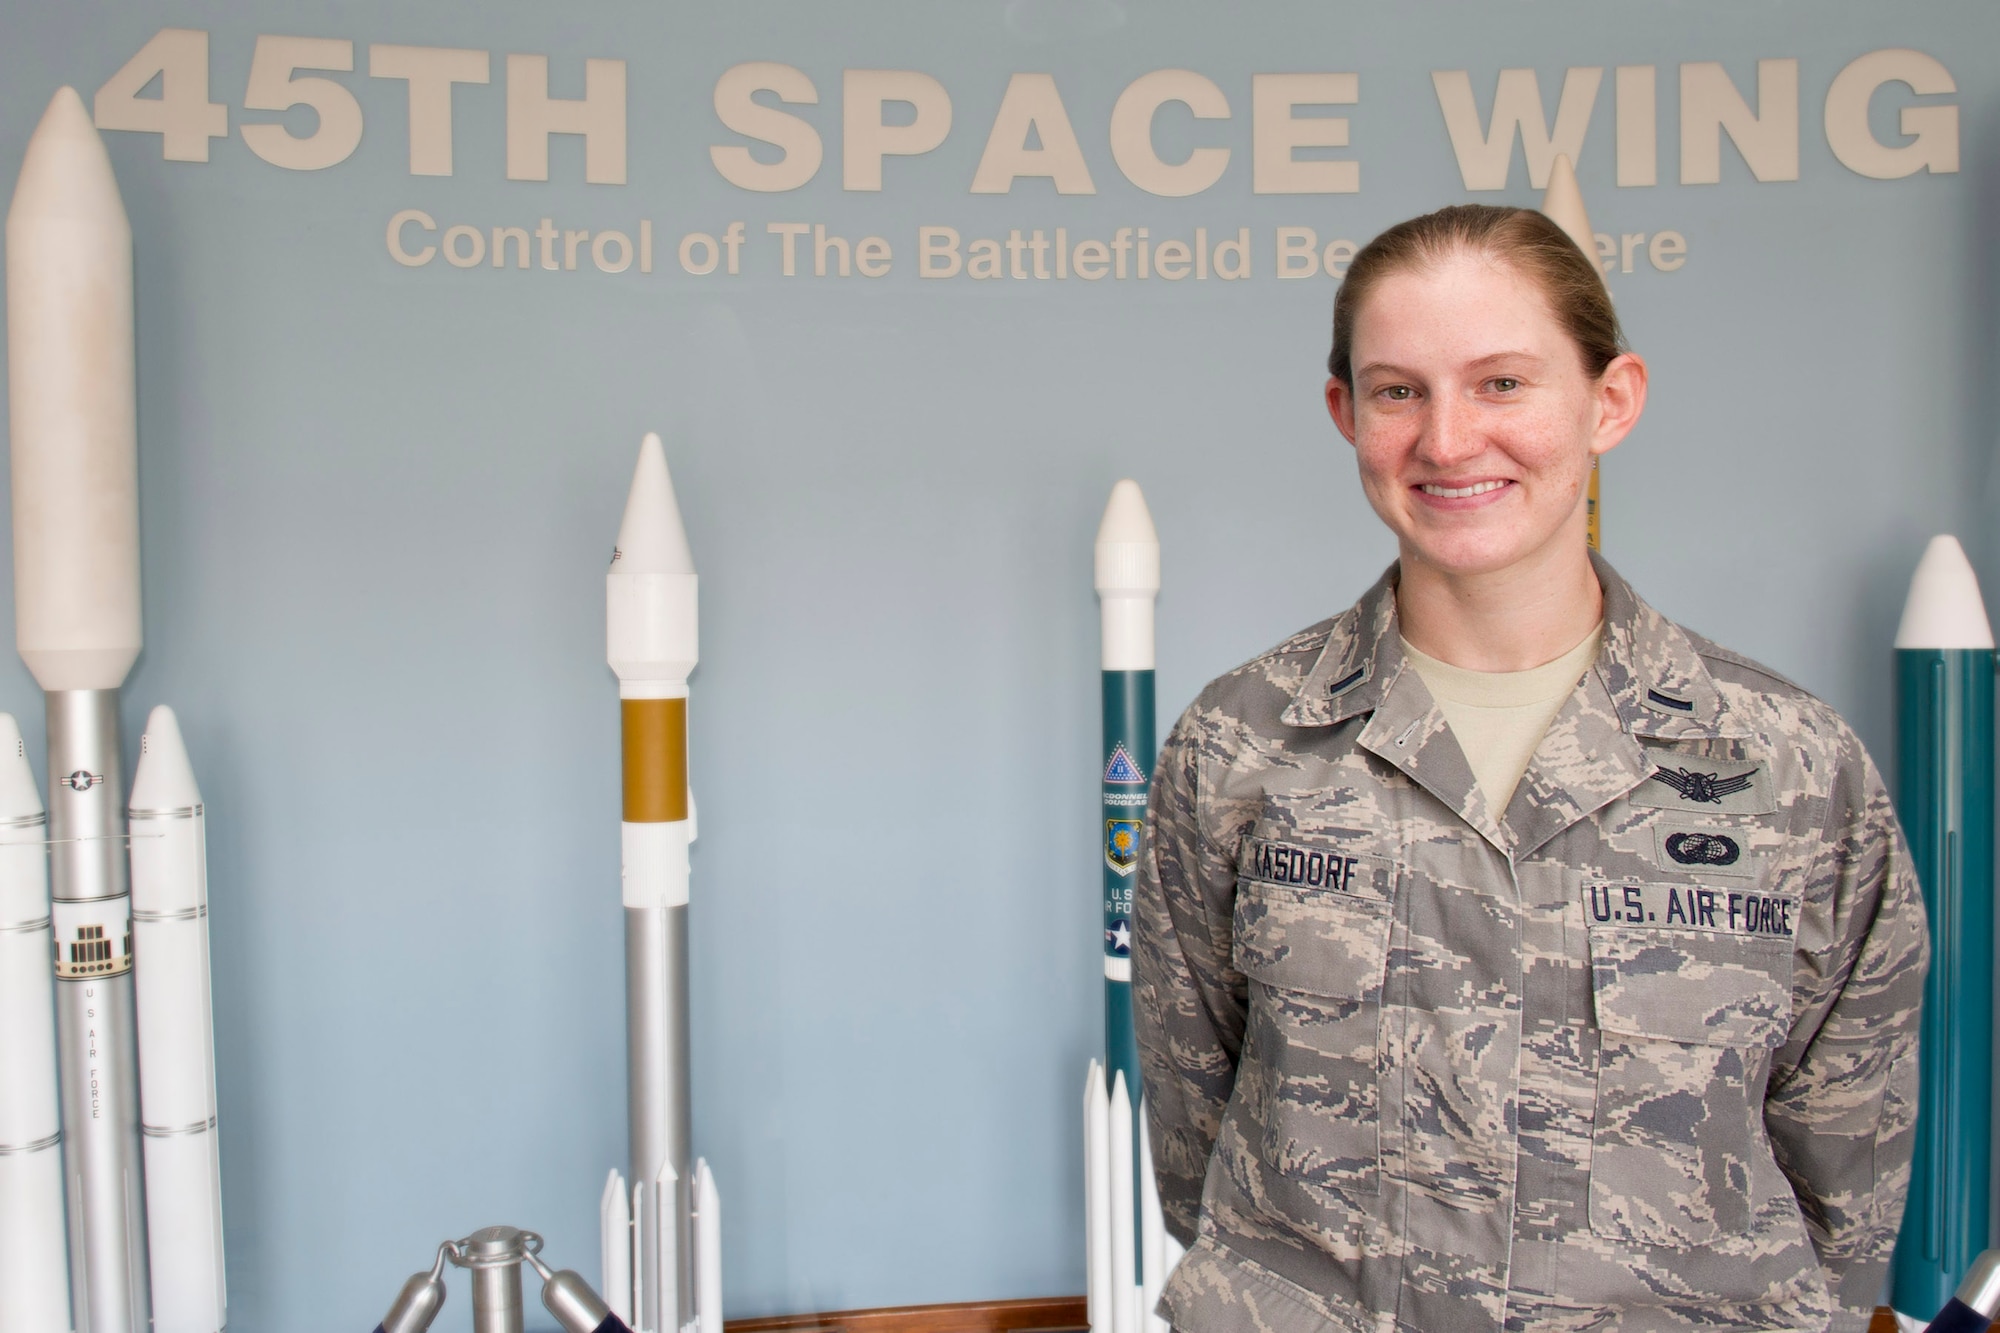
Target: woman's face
<point x="1472" y="417"/>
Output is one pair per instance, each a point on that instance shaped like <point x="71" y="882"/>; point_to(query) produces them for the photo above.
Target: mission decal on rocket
<point x="1944" y="797"/>
<point x="1128" y="1253"/>
<point x="661" y="1238"/>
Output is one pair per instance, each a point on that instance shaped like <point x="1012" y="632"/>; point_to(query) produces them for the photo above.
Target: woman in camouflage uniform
<point x="1509" y="957"/>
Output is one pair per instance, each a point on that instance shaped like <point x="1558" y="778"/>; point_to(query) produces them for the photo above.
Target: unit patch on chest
<point x="1701" y="785"/>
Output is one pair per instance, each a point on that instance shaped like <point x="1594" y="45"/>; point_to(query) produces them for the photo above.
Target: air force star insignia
<point x="1709" y="788"/>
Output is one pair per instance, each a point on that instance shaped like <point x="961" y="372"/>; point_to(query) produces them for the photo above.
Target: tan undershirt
<point x="1500" y="717"/>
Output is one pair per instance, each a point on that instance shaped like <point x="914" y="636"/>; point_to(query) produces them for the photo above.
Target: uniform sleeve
<point x="1842" y="1105"/>
<point x="1189" y="1007"/>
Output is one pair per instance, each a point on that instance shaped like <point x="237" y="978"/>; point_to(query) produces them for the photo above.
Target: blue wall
<point x="378" y="502"/>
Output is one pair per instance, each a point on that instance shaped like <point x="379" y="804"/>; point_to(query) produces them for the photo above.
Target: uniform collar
<point x="1648" y="682"/>
<point x="1655" y="679"/>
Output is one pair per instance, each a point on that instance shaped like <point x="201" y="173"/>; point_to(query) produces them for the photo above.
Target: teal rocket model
<point x="1129" y="1252"/>
<point x="1944" y="796"/>
<point x="1128" y="581"/>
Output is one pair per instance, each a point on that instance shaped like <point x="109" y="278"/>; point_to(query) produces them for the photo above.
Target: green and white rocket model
<point x="1944" y="795"/>
<point x="1127" y="1248"/>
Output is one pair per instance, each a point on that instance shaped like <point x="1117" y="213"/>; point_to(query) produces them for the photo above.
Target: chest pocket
<point x="1310" y="1078"/>
<point x="1691" y="988"/>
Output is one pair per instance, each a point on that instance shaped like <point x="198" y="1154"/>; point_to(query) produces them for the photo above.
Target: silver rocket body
<point x="658" y="1107"/>
<point x="96" y="1026"/>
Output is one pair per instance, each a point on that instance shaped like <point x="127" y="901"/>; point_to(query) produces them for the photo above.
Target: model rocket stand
<point x="1128" y="1252"/>
<point x="494" y="1256"/>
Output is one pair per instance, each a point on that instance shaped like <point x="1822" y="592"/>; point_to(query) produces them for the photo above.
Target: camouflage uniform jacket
<point x="1637" y="1052"/>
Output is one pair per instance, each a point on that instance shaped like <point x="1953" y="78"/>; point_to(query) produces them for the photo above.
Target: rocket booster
<point x="74" y="451"/>
<point x="1563" y="203"/>
<point x="1944" y="780"/>
<point x="176" y="1036"/>
<point x="34" y="1286"/>
<point x="652" y="646"/>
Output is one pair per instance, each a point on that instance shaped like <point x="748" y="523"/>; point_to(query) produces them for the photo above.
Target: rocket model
<point x="1563" y="203"/>
<point x="74" y="452"/>
<point x="662" y="1239"/>
<point x="74" y="445"/>
<point x="1128" y="1252"/>
<point x="34" y="1270"/>
<point x="1944" y="768"/>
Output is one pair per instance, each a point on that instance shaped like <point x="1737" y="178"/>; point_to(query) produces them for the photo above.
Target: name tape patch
<point x="1765" y="916"/>
<point x="1325" y="866"/>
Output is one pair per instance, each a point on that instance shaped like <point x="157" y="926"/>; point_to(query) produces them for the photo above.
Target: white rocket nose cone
<point x="165" y="780"/>
<point x="19" y="797"/>
<point x="651" y="539"/>
<point x="66" y="174"/>
<point x="1944" y="609"/>
<point x="1128" y="547"/>
<point x="1563" y="203"/>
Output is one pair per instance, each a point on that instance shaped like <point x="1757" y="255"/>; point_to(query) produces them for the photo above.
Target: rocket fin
<point x="708" y="1250"/>
<point x="1124" y="1292"/>
<point x="614" y="1212"/>
<point x="1097" y="1196"/>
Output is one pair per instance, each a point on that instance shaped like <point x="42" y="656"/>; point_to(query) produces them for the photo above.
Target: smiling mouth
<point x="1461" y="492"/>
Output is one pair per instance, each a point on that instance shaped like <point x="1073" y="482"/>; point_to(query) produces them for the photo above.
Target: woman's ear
<point x="1340" y="406"/>
<point x="1621" y="397"/>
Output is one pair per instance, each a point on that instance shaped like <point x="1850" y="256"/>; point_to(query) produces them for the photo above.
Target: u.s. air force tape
<point x="1687" y="907"/>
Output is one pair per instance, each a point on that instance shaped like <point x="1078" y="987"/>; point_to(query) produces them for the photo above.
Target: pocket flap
<point x="1706" y="989"/>
<point x="1321" y="943"/>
